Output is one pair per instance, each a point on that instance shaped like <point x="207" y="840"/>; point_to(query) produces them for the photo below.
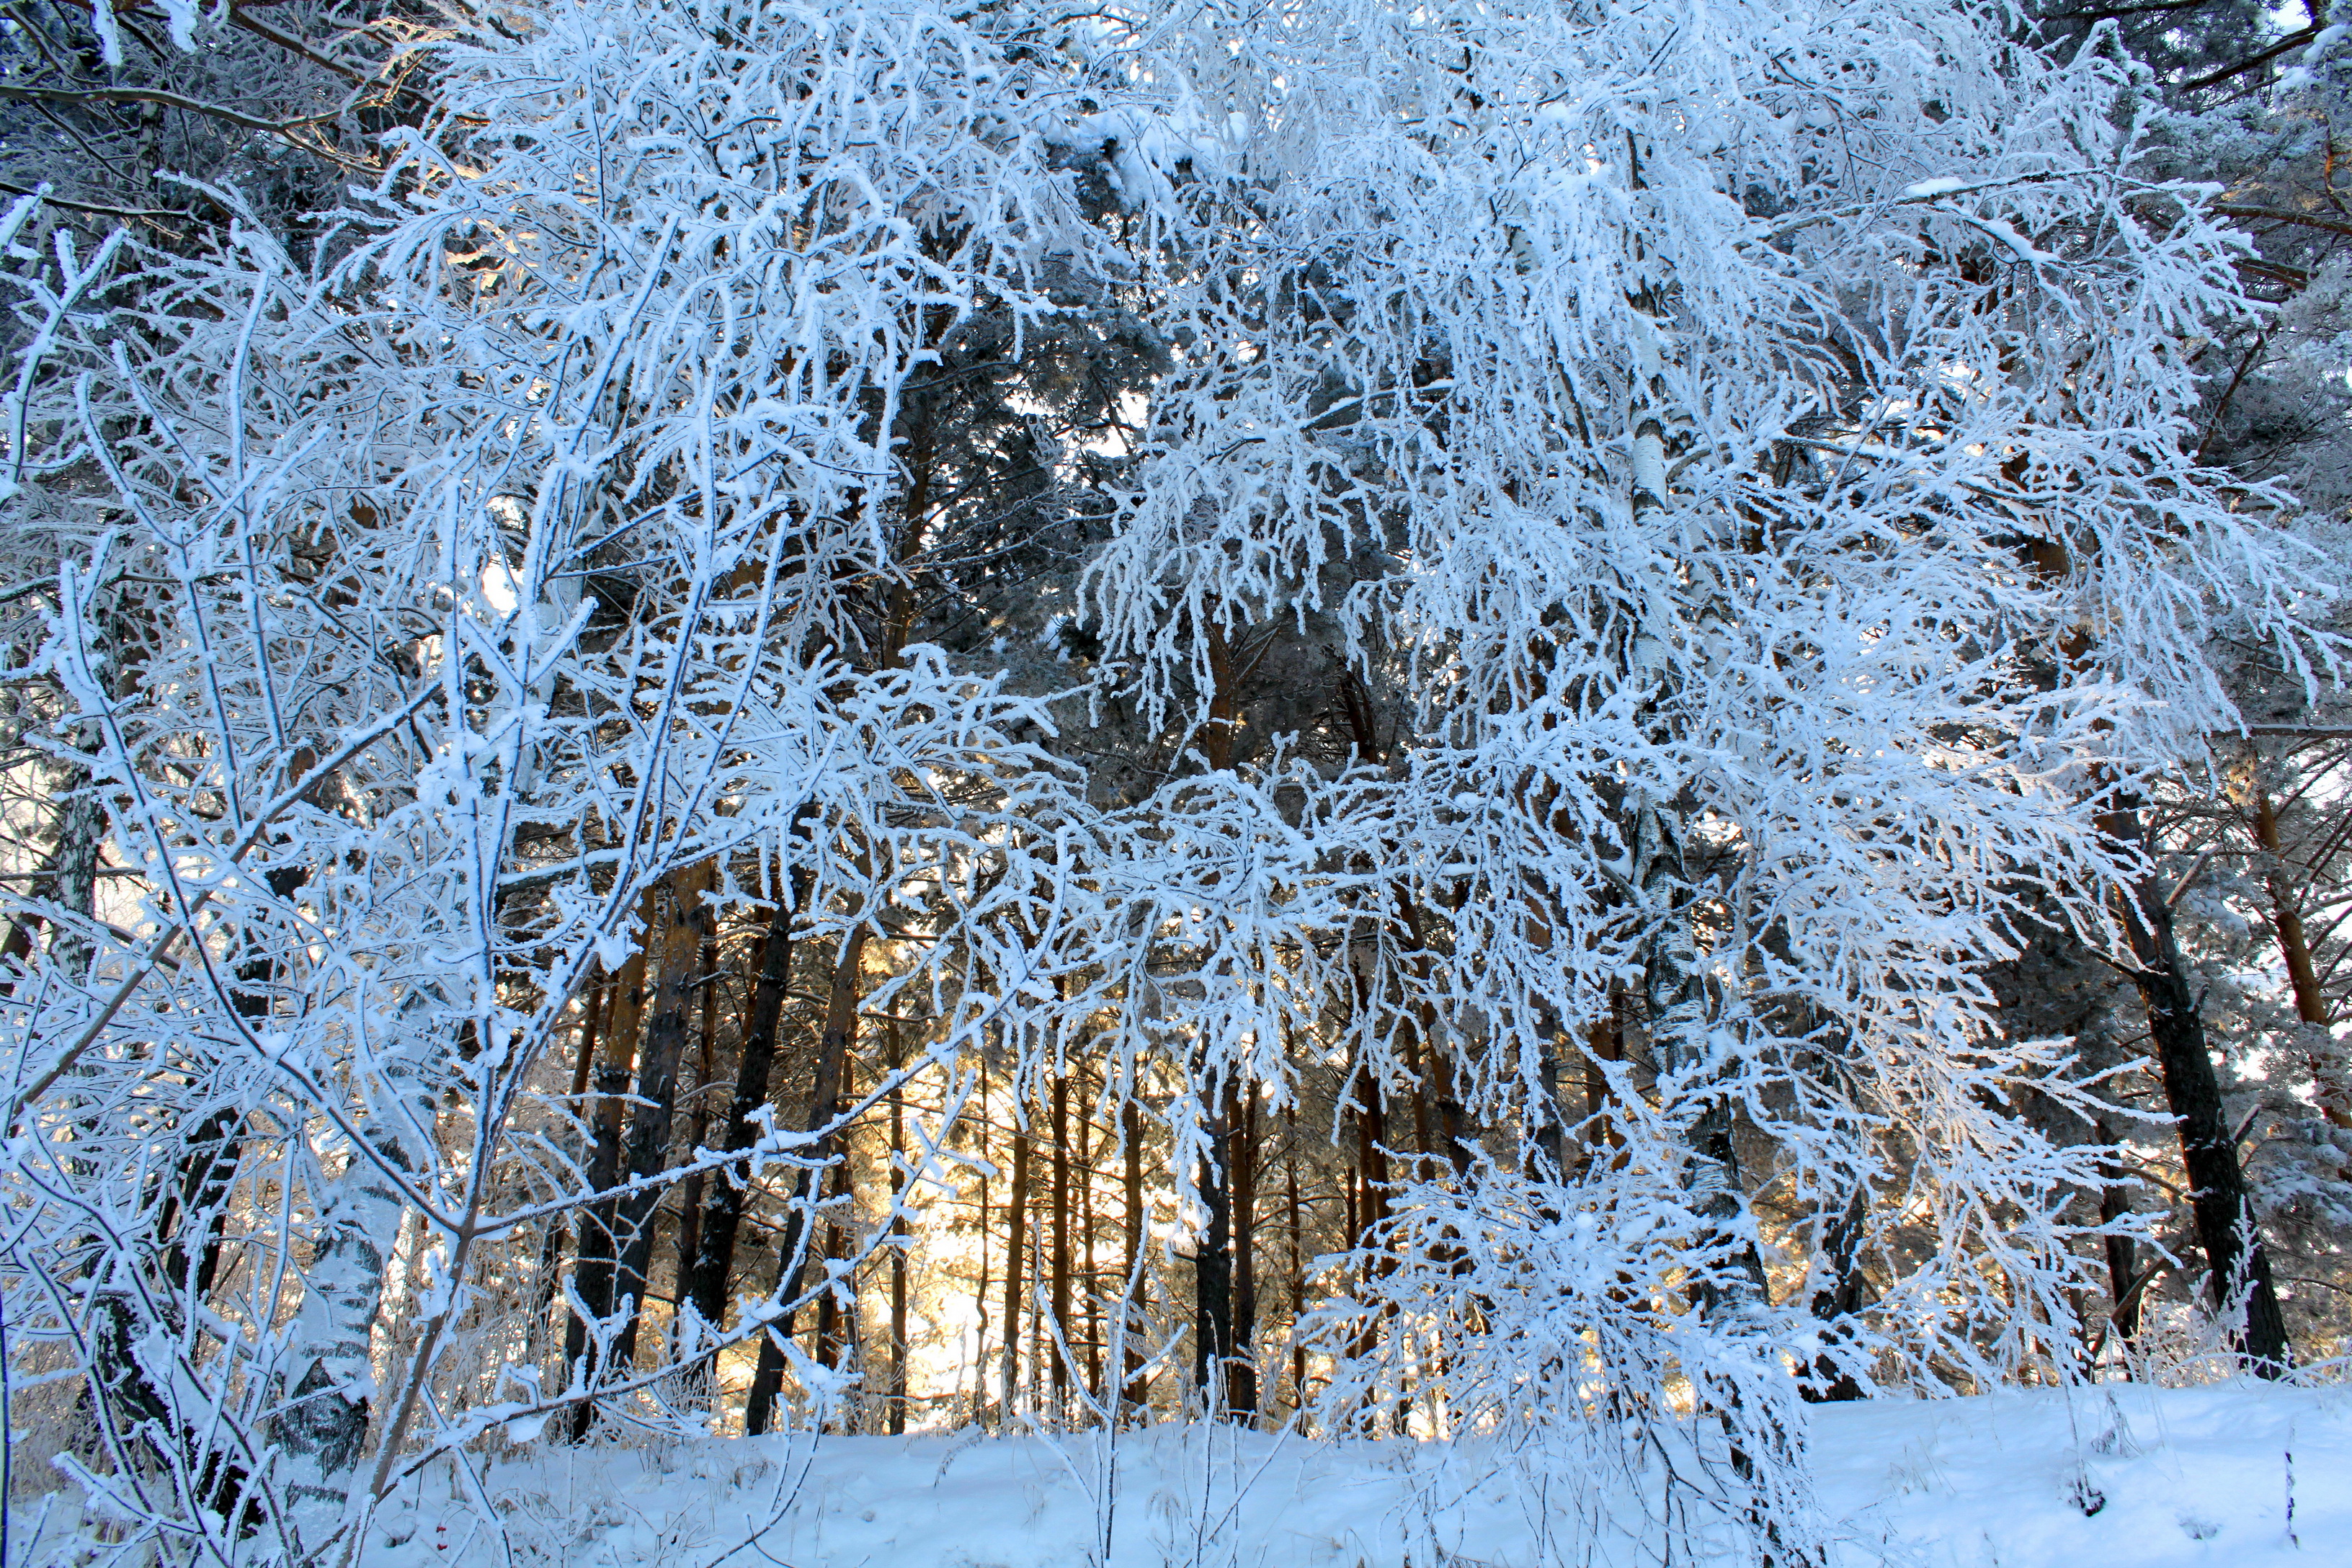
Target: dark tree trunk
<point x="1551" y="1146"/>
<point x="1090" y="1287"/>
<point x="1371" y="1205"/>
<point x="2226" y="1228"/>
<point x="1298" y="1256"/>
<point x="2124" y="1285"/>
<point x="831" y="1334"/>
<point x="1016" y="1222"/>
<point x="1240" y="1376"/>
<point x="1604" y="1043"/>
<point x="1137" y="1386"/>
<point x="722" y="1204"/>
<point x="824" y="1108"/>
<point x="594" y="1250"/>
<point x="56" y="880"/>
<point x="1424" y="1166"/>
<point x="691" y="930"/>
<point x="1212" y="1270"/>
<point x="1840" y="1298"/>
<point x="1352" y="1183"/>
<point x="690" y="1206"/>
<point x="1064" y="1329"/>
<point x="979" y="1288"/>
<point x="897" y="1411"/>
<point x="197" y="1216"/>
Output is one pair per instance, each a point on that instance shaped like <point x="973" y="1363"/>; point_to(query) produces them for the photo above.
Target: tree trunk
<point x="594" y="1250"/>
<point x="1089" y="1287"/>
<point x="841" y="1004"/>
<point x="1424" y="1166"/>
<point x="1063" y="1331"/>
<point x="690" y="1206"/>
<point x="194" y="1221"/>
<point x="2124" y="1285"/>
<point x="1840" y="1298"/>
<point x="824" y="1108"/>
<point x="1041" y="1349"/>
<point x="550" y="1246"/>
<point x="829" y="1337"/>
<point x="1605" y="1042"/>
<point x="1353" y="1182"/>
<point x="1371" y="1206"/>
<point x="67" y="876"/>
<point x="196" y="1216"/>
<point x="1372" y="1169"/>
<point x="722" y="1204"/>
<point x="691" y="930"/>
<point x="2333" y="1090"/>
<point x="1212" y="1270"/>
<point x="323" y="1429"/>
<point x="1241" y="1378"/>
<point x="979" y="1288"/>
<point x="1551" y="1146"/>
<point x="897" y="1411"/>
<point x="1016" y="1213"/>
<point x="2226" y="1227"/>
<point x="1298" y="1256"/>
<point x="1137" y="1386"/>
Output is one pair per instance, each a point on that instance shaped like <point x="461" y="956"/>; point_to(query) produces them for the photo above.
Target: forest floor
<point x="2123" y="1475"/>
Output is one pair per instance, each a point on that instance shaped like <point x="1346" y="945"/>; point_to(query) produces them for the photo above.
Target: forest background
<point x="1569" y="722"/>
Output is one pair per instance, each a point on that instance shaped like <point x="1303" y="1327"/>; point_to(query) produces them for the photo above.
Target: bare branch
<point x="2273" y="215"/>
<point x="91" y="95"/>
<point x="2216" y="78"/>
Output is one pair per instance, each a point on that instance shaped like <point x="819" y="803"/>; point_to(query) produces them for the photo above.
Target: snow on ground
<point x="2193" y="1476"/>
<point x="2175" y="1477"/>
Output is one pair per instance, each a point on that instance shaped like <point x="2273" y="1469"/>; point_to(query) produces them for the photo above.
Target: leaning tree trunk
<point x="2226" y="1228"/>
<point x="66" y="879"/>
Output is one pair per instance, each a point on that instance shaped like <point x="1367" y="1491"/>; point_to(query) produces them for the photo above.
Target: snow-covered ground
<point x="2173" y="1477"/>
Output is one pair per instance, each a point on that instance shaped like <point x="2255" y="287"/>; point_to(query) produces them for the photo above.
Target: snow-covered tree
<point x="1762" y="442"/>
